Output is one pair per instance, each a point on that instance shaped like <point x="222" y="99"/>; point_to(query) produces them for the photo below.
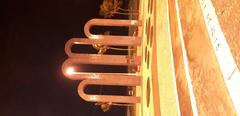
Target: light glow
<point x="93" y="98"/>
<point x="133" y="22"/>
<point x="70" y="71"/>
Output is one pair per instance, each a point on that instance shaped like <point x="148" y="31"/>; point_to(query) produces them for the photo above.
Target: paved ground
<point x="228" y="13"/>
<point x="204" y="70"/>
<point x="179" y="66"/>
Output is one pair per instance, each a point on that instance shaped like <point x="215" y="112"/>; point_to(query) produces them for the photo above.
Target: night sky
<point x="33" y="34"/>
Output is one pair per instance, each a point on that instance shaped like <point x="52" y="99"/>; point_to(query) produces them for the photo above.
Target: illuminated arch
<point x="112" y="22"/>
<point x="117" y="79"/>
<point x="126" y="80"/>
<point x="101" y="59"/>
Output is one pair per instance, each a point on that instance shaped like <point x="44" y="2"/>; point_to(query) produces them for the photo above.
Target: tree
<point x="110" y="7"/>
<point x="103" y="48"/>
<point x="105" y="106"/>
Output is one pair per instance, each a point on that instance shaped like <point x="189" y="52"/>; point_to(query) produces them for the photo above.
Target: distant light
<point x="70" y="71"/>
<point x="133" y="22"/>
<point x="93" y="98"/>
<point x="94" y="36"/>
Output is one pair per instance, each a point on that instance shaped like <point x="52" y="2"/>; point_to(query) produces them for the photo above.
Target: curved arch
<point x="112" y="22"/>
<point x="86" y="41"/>
<point x="100" y="59"/>
<point x="74" y="75"/>
<point x="110" y="80"/>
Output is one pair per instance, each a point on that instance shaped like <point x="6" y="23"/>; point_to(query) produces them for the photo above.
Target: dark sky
<point x="33" y="34"/>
